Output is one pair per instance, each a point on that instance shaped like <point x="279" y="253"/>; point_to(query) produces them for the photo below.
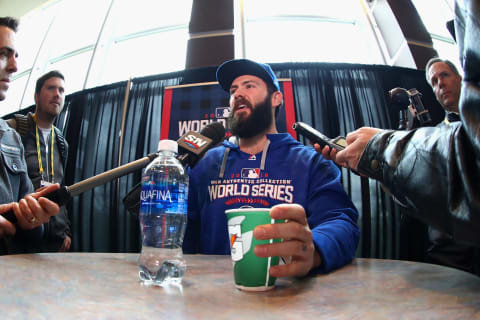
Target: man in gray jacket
<point x="31" y="210"/>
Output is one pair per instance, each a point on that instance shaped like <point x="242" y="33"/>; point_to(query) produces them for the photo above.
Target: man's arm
<point x="436" y="171"/>
<point x="433" y="170"/>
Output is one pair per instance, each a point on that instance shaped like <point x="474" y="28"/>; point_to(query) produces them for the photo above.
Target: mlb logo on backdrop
<point x="222" y="113"/>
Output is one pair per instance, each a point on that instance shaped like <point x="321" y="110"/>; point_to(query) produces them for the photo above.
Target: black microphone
<point x="191" y="148"/>
<point x="193" y="145"/>
<point x="66" y="193"/>
<point x="420" y="111"/>
<point x="315" y="136"/>
<point x="401" y="98"/>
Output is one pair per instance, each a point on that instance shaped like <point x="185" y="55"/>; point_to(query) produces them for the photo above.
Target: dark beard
<point x="258" y="122"/>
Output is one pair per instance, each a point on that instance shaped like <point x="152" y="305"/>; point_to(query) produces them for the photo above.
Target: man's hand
<point x="65" y="245"/>
<point x="6" y="227"/>
<point x="297" y="241"/>
<point x="356" y="143"/>
<point x="33" y="210"/>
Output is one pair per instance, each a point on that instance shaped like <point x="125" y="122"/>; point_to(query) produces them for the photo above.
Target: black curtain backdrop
<point x="334" y="98"/>
<point x="92" y="126"/>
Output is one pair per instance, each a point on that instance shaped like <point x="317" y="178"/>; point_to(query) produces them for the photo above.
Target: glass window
<point x="77" y="25"/>
<point x="308" y="30"/>
<point x="74" y="69"/>
<point x="345" y="9"/>
<point x="143" y="37"/>
<point x="435" y="21"/>
<point x="135" y="38"/>
<point x="30" y="35"/>
<point x="130" y="17"/>
<point x="322" y="46"/>
<point x="448" y="51"/>
<point x="146" y="37"/>
<point x="147" y="55"/>
<point x="435" y="16"/>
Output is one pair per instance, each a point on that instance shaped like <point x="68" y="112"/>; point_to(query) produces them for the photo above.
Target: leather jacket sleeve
<point x="436" y="170"/>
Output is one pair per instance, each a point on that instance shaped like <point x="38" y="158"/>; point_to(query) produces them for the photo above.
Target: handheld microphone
<point x="420" y="111"/>
<point x="315" y="136"/>
<point x="401" y="98"/>
<point x="66" y="193"/>
<point x="191" y="148"/>
<point x="193" y="145"/>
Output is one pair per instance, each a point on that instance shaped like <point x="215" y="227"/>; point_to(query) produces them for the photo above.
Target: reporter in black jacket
<point x="433" y="170"/>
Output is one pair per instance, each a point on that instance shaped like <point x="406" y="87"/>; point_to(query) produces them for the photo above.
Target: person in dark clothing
<point x="435" y="171"/>
<point x="46" y="153"/>
<point x="446" y="82"/>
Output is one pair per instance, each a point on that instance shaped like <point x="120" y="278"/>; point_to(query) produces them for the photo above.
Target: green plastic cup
<point x="251" y="273"/>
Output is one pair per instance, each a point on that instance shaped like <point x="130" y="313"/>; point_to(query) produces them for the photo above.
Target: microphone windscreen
<point x="399" y="98"/>
<point x="214" y="131"/>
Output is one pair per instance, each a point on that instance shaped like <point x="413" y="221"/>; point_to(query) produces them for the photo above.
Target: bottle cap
<point x="168" y="145"/>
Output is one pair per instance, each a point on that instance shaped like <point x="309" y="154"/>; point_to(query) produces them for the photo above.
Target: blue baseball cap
<point x="233" y="69"/>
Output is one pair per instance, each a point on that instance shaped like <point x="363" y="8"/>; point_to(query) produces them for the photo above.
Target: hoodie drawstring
<point x="227" y="151"/>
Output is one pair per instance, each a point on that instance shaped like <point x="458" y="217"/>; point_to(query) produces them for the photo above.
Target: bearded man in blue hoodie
<point x="270" y="169"/>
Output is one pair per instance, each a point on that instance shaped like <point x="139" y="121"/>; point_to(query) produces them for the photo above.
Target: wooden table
<point x="106" y="286"/>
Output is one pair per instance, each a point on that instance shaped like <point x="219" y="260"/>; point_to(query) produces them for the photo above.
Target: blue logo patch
<point x="250" y="173"/>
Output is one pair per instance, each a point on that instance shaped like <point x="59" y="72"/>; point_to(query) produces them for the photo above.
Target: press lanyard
<point x="39" y="155"/>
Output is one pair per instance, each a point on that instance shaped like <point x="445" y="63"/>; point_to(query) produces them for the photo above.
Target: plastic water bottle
<point x="163" y="217"/>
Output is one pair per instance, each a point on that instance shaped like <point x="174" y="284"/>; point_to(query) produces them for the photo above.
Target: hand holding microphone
<point x="30" y="212"/>
<point x="192" y="146"/>
<point x="315" y="136"/>
<point x="406" y="101"/>
<point x="345" y="152"/>
<point x="356" y="144"/>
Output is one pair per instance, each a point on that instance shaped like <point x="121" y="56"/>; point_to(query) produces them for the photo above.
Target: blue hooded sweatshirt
<point x="286" y="171"/>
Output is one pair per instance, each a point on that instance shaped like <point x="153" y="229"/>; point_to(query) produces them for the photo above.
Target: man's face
<point x="251" y="106"/>
<point x="51" y="97"/>
<point x="446" y="85"/>
<point x="8" y="59"/>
